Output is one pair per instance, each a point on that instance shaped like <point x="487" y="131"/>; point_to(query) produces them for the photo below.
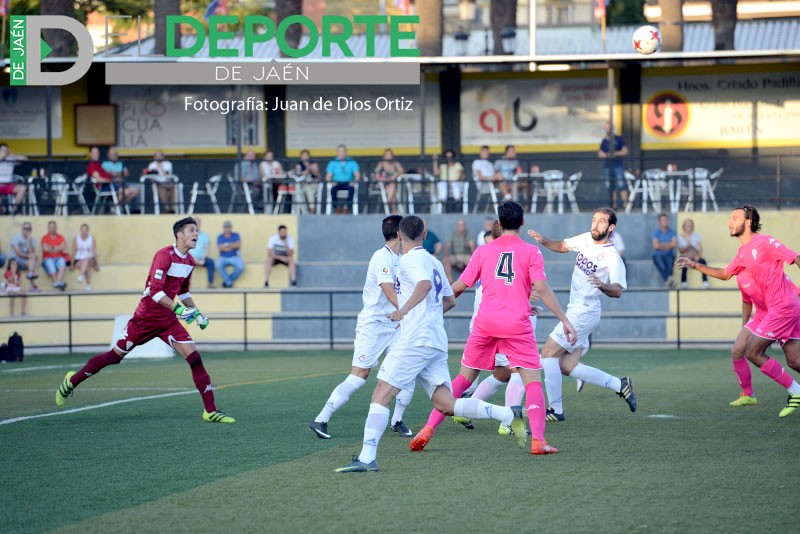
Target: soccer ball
<point x="647" y="40"/>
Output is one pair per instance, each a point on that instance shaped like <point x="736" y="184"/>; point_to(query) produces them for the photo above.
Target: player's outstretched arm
<point x="458" y="287"/>
<point x="612" y="290"/>
<point x="714" y="272"/>
<point x="555" y="246"/>
<point x="421" y="290"/>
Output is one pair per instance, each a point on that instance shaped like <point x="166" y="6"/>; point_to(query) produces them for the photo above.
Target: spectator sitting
<point x="433" y="244"/>
<point x="488" y="222"/>
<point x="665" y="241"/>
<point x="116" y="169"/>
<point x="308" y="170"/>
<point x="505" y="168"/>
<point x="200" y="253"/>
<point x="387" y="171"/>
<point x="618" y="186"/>
<point x="280" y="249"/>
<point x="458" y="250"/>
<point x="450" y="175"/>
<point x="23" y="249"/>
<point x="616" y="239"/>
<point x="84" y="256"/>
<point x="8" y="186"/>
<point x="13" y="280"/>
<point x="160" y="168"/>
<point x="229" y="244"/>
<point x="54" y="254"/>
<point x="691" y="246"/>
<point x="250" y="174"/>
<point x="343" y="171"/>
<point x="483" y="170"/>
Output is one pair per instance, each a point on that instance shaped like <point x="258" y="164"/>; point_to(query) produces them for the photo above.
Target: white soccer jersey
<point x="382" y="270"/>
<point x="601" y="260"/>
<point x="423" y="326"/>
<point x="477" y="304"/>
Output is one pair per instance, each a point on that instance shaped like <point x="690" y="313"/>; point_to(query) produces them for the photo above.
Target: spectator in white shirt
<point x="280" y="249"/>
<point x="160" y="169"/>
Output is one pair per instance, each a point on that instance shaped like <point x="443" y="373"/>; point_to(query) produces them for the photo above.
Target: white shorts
<point x="425" y="365"/>
<point x="371" y="342"/>
<point x="584" y="322"/>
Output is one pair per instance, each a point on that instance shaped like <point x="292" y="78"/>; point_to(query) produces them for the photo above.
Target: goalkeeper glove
<point x="202" y="321"/>
<point x="185" y="313"/>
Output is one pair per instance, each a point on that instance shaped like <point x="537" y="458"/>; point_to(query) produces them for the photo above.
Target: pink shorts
<point x="7" y="189"/>
<point x="754" y="322"/>
<point x="481" y="349"/>
<point x="139" y="331"/>
<point x="779" y="327"/>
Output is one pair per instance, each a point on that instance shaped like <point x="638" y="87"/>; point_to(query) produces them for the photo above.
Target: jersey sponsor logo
<point x="600" y="257"/>
<point x="755" y="254"/>
<point x="385" y="269"/>
<point x="362" y="357"/>
<point x="585" y="264"/>
<point x="179" y="270"/>
<point x="159" y="274"/>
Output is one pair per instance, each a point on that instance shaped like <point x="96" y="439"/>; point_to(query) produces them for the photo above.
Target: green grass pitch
<point x="686" y="461"/>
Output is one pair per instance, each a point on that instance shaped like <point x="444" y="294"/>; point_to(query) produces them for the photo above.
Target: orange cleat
<point x="421" y="439"/>
<point x="541" y="447"/>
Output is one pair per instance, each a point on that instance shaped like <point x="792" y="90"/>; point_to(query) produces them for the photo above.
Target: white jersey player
<point x="375" y="332"/>
<point x="598" y="271"/>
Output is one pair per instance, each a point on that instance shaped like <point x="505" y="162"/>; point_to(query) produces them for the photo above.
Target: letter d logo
<point x="28" y="49"/>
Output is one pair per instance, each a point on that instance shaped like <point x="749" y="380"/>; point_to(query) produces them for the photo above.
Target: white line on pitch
<point x="41" y="368"/>
<point x="32" y="390"/>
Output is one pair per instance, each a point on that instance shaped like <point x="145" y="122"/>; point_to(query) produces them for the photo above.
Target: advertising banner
<point x="23" y="115"/>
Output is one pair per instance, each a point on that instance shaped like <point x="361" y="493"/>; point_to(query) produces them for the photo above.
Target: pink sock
<point x="775" y="371"/>
<point x="534" y="399"/>
<point x="742" y="369"/>
<point x="514" y="392"/>
<point x="460" y="385"/>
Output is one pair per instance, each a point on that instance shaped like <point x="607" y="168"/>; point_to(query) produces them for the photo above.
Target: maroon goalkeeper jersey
<point x="169" y="275"/>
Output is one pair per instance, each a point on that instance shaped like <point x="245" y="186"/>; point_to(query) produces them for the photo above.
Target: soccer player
<point x="598" y="271"/>
<point x="420" y="352"/>
<point x="375" y="332"/>
<point x="157" y="316"/>
<point x="507" y="268"/>
<point x="763" y="256"/>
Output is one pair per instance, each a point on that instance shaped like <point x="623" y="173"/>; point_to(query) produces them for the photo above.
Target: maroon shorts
<point x="520" y="350"/>
<point x="139" y="331"/>
<point x="7" y="189"/>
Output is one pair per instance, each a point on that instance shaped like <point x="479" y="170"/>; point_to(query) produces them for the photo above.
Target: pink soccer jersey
<point x="763" y="257"/>
<point x="506" y="267"/>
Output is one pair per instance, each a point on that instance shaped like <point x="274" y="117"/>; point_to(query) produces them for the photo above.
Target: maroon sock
<point x="202" y="381"/>
<point x="94" y="365"/>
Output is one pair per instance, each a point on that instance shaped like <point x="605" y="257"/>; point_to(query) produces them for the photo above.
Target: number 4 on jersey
<point x="505" y="269"/>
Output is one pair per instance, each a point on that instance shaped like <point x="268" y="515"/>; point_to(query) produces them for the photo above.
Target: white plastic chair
<point x="570" y="186"/>
<point x="102" y="197"/>
<point x="155" y="180"/>
<point x="210" y="189"/>
<point x="407" y="183"/>
<point x="325" y="189"/>
<point x="637" y="185"/>
<point x="554" y="188"/>
<point x="376" y="189"/>
<point x="657" y="186"/>
<point x="239" y="188"/>
<point x="483" y="188"/>
<point x="704" y="184"/>
<point x="65" y="189"/>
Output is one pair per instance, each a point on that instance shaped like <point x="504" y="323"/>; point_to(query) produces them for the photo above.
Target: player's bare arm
<point x="611" y="290"/>
<point x="458" y="288"/>
<point x="390" y="293"/>
<point x="448" y="303"/>
<point x="421" y="290"/>
<point x="747" y="311"/>
<point x="714" y="272"/>
<point x="549" y="299"/>
<point x="552" y="244"/>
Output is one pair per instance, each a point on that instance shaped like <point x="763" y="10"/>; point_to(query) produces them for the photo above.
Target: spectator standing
<point x="451" y="176"/>
<point x="271" y="172"/>
<point x="84" y="256"/>
<point x="483" y="170"/>
<point x="308" y="171"/>
<point x="458" y="250"/>
<point x="691" y="246"/>
<point x="13" y="280"/>
<point x="23" y="249"/>
<point x="614" y="168"/>
<point x="117" y="170"/>
<point x="387" y="171"/>
<point x="54" y="250"/>
<point x="8" y="186"/>
<point x="201" y="251"/>
<point x="280" y="250"/>
<point x="343" y="171"/>
<point x="250" y="174"/>
<point x="229" y="244"/>
<point x="160" y="169"/>
<point x="665" y="241"/>
<point x="505" y="168"/>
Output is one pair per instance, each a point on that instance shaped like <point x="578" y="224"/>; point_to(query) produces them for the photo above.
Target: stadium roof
<point x="753" y="35"/>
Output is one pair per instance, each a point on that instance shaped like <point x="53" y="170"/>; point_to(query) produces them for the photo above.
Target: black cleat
<point x="320" y="429"/>
<point x="626" y="392"/>
<point x="402" y="429"/>
<point x="553" y="417"/>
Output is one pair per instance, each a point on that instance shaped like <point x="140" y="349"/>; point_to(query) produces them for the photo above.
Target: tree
<point x="723" y="18"/>
<point x="624" y="12"/>
<point x="671" y="25"/>
<point x="161" y="9"/>
<point x="60" y="41"/>
<point x="502" y="15"/>
<point x="431" y="27"/>
<point x="287" y="8"/>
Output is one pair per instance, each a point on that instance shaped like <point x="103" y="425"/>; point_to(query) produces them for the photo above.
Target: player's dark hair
<point x="282" y="227"/>
<point x="487" y="233"/>
<point x="178" y="226"/>
<point x="510" y="214"/>
<point x="750" y="212"/>
<point x="412" y="227"/>
<point x="391" y="225"/>
<point x="612" y="217"/>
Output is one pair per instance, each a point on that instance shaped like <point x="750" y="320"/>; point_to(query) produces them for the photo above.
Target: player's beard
<point x="597" y="236"/>
<point x="737" y="231"/>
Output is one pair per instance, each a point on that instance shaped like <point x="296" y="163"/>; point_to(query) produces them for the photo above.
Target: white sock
<point x="339" y="397"/>
<point x="478" y="409"/>
<point x="515" y="390"/>
<point x="596" y="377"/>
<point x="552" y="383"/>
<point x="472" y="387"/>
<point x="377" y="419"/>
<point x="487" y="388"/>
<point x="401" y="402"/>
<point x="794" y="389"/>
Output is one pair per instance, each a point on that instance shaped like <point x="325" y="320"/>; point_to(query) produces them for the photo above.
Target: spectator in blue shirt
<point x="343" y="171"/>
<point x="229" y="244"/>
<point x="665" y="241"/>
<point x="200" y="253"/>
<point x="615" y="166"/>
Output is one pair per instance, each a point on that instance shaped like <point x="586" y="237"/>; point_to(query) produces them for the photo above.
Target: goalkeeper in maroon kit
<point x="157" y="316"/>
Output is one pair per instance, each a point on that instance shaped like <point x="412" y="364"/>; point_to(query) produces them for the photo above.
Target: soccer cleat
<point x="518" y="425"/>
<point x="402" y="429"/>
<point x="553" y="417"/>
<point x="504" y="430"/>
<point x="217" y="416"/>
<point x="579" y="384"/>
<point x="357" y="466"/>
<point x="421" y="439"/>
<point x="792" y="404"/>
<point x="626" y="392"/>
<point x="744" y="400"/>
<point x="65" y="389"/>
<point x="320" y="429"/>
<point x="464" y="421"/>
<point x="541" y="447"/>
